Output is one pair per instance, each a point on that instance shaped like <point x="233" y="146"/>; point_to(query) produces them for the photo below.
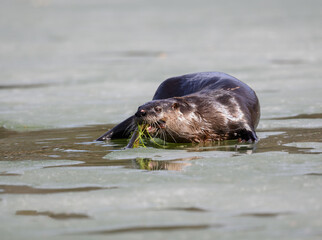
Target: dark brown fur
<point x="197" y="107"/>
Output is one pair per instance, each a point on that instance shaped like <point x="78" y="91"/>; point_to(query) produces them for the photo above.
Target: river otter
<point x="198" y="107"/>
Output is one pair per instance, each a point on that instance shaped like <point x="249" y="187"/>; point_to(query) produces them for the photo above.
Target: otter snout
<point x="140" y="113"/>
<point x="148" y="110"/>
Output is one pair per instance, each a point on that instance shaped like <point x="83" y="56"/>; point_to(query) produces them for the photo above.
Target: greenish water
<point x="62" y="184"/>
<point x="70" y="70"/>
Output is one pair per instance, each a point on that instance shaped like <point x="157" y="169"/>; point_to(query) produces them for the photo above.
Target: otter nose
<point x="140" y="113"/>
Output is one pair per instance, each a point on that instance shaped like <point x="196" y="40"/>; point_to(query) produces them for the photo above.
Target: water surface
<point x="70" y="70"/>
<point x="61" y="183"/>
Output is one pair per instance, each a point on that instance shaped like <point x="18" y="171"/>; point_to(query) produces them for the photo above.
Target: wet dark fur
<point x="197" y="107"/>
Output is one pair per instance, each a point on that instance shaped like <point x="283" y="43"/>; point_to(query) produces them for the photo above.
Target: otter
<point x="197" y="108"/>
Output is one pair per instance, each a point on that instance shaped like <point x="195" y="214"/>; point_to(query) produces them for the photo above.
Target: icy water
<point x="70" y="70"/>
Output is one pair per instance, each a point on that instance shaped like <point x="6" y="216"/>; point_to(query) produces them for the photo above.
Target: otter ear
<point x="175" y="106"/>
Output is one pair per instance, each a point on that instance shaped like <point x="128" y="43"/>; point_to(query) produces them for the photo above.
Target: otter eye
<point x="157" y="109"/>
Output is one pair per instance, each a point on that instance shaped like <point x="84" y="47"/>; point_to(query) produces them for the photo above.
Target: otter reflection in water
<point x="152" y="165"/>
<point x="198" y="108"/>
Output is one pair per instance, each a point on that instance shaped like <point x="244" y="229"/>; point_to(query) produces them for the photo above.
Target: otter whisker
<point x="164" y="137"/>
<point x="157" y="124"/>
<point x="159" y="130"/>
<point x="161" y="135"/>
<point x="169" y="132"/>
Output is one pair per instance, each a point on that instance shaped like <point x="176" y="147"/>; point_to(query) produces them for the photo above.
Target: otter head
<point x="159" y="115"/>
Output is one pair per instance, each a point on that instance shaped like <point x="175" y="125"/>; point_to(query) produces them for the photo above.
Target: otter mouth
<point x="152" y="128"/>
